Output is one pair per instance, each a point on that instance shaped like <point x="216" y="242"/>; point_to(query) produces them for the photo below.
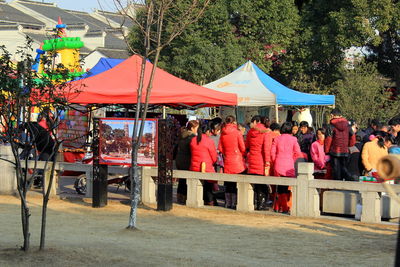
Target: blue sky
<point x="149" y="126"/>
<point x="82" y="5"/>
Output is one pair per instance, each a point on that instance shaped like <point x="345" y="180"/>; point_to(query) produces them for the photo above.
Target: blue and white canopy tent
<point x="256" y="89"/>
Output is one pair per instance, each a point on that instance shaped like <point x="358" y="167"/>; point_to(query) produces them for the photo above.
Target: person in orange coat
<point x="255" y="159"/>
<point x="373" y="151"/>
<point x="204" y="156"/>
<point x="232" y="147"/>
<point x="285" y="149"/>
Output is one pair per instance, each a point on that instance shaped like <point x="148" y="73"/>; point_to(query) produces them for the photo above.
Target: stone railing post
<point x="194" y="193"/>
<point x="46" y="177"/>
<point x="245" y="197"/>
<point x="371" y="207"/>
<point x="89" y="183"/>
<point x="148" y="187"/>
<point x="8" y="176"/>
<point x="305" y="199"/>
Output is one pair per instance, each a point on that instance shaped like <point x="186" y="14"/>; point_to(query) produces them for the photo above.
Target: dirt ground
<point x="79" y="235"/>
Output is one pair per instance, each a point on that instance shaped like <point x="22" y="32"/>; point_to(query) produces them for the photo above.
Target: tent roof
<point x="102" y="65"/>
<point x="256" y="88"/>
<point x="119" y="86"/>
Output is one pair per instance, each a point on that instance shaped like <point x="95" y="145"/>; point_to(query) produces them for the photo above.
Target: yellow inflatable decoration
<point x="67" y="48"/>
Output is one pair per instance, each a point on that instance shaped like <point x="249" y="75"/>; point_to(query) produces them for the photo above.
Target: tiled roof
<point x="117" y="18"/>
<point x="94" y="34"/>
<point x="8" y="26"/>
<point x="51" y="11"/>
<point x="11" y="14"/>
<point x="111" y="41"/>
<point x="93" y="23"/>
<point x="38" y="37"/>
<point x="113" y="53"/>
<point x="84" y="50"/>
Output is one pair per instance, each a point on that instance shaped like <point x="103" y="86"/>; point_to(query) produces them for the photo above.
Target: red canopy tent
<point x="119" y="86"/>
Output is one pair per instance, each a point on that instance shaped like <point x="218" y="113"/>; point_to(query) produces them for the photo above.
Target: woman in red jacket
<point x="204" y="156"/>
<point x="255" y="159"/>
<point x="232" y="147"/>
<point x="285" y="150"/>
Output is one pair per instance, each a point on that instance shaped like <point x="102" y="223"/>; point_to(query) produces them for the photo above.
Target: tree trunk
<point x="43" y="226"/>
<point x="22" y="187"/>
<point x="135" y="186"/>
<point x="134" y="171"/>
<point x="25" y="225"/>
<point x="46" y="195"/>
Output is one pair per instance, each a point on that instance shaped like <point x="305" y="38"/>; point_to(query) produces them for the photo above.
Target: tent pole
<point x="276" y="113"/>
<point x="237" y="113"/>
<point x="164" y="112"/>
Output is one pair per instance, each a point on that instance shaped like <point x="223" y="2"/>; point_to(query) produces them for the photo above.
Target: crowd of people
<point x="339" y="151"/>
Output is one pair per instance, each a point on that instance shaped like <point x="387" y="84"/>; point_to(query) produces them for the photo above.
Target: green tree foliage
<point x="320" y="49"/>
<point x="302" y="43"/>
<point x="207" y="49"/>
<point x="228" y="34"/>
<point x="329" y="27"/>
<point x="266" y="29"/>
<point x="361" y="94"/>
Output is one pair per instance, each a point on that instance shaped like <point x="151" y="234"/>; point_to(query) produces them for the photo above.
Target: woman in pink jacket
<point x="231" y="145"/>
<point x="318" y="155"/>
<point x="284" y="152"/>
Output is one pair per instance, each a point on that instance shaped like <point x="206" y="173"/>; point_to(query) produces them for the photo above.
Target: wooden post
<point x="307" y="199"/>
<point x="148" y="187"/>
<point x="371" y="207"/>
<point x="245" y="197"/>
<point x="194" y="193"/>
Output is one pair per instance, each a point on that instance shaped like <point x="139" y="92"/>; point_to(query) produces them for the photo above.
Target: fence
<point x="305" y="196"/>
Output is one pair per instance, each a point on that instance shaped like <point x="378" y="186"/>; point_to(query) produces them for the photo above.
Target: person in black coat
<point x="40" y="138"/>
<point x="183" y="157"/>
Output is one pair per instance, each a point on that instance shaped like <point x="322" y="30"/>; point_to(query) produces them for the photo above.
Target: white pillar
<point x="194" y="193"/>
<point x="148" y="187"/>
<point x="371" y="207"/>
<point x="46" y="180"/>
<point x="306" y="199"/>
<point x="89" y="183"/>
<point x="8" y="178"/>
<point x="245" y="197"/>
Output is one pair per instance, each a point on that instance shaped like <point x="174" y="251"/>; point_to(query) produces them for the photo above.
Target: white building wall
<point x="92" y="60"/>
<point x="93" y="42"/>
<point x="13" y="40"/>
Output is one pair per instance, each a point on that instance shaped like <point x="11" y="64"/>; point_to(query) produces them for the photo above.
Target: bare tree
<point x="151" y="23"/>
<point x="22" y="91"/>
